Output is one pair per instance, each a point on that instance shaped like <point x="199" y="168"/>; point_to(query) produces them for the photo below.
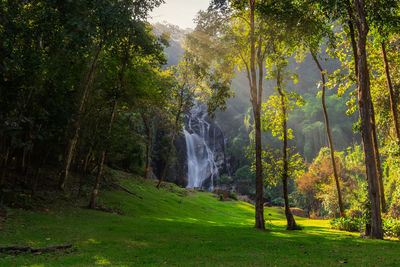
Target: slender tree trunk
<point x="256" y="103"/>
<point x="352" y="35"/>
<point x="77" y="125"/>
<point x="86" y="162"/>
<point x="35" y="180"/>
<point x="366" y="112"/>
<point x="393" y="107"/>
<point x="328" y="133"/>
<point x="393" y="102"/>
<point x="166" y="164"/>
<point x="4" y="166"/>
<point x="148" y="145"/>
<point x="291" y="223"/>
<point x="378" y="164"/>
<point x="95" y="192"/>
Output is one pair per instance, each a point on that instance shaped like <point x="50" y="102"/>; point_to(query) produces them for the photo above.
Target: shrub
<point x="346" y="224"/>
<point x="355" y="213"/>
<point x="391" y="227"/>
<point x="394" y="210"/>
<point x="224" y="179"/>
<point x="233" y="195"/>
<point x="221" y="197"/>
<point x="279" y="201"/>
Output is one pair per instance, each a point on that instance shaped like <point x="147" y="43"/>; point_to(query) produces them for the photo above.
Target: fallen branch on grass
<point x="34" y="250"/>
<point x="126" y="190"/>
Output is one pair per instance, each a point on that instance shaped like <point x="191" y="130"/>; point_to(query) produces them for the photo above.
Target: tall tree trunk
<point x="77" y="124"/>
<point x="291" y="223"/>
<point x="166" y="163"/>
<point x="95" y="192"/>
<point x="171" y="144"/>
<point x="4" y="165"/>
<point x="366" y="112"/>
<point x="35" y="179"/>
<point x="256" y="103"/>
<point x="328" y="133"/>
<point x="148" y="145"/>
<point x="393" y="102"/>
<point x="393" y="107"/>
<point x="351" y="21"/>
<point x="125" y="59"/>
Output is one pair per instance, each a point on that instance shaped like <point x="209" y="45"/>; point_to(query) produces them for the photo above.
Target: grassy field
<point x="177" y="227"/>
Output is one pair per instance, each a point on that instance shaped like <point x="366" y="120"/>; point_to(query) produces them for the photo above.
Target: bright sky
<point x="179" y="12"/>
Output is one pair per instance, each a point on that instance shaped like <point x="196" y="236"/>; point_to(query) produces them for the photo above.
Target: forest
<point x="272" y="120"/>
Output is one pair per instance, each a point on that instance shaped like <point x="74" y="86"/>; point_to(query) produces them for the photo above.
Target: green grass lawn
<point x="176" y="227"/>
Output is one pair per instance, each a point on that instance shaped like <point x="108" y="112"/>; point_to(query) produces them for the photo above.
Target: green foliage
<point x="224" y="179"/>
<point x="233" y="195"/>
<point x="244" y="179"/>
<point x="273" y="165"/>
<point x="391" y="227"/>
<point x="273" y="118"/>
<point x="279" y="201"/>
<point x="221" y="197"/>
<point x="317" y="184"/>
<point x="346" y="223"/>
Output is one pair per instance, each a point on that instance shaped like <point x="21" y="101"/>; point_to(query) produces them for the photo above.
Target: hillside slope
<point x="179" y="227"/>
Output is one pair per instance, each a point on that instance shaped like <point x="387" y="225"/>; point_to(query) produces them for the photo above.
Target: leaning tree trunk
<point x="393" y="107"/>
<point x="291" y="223"/>
<point x="328" y="133"/>
<point x="366" y="113"/>
<point x="95" y="192"/>
<point x="392" y="97"/>
<point x="77" y="125"/>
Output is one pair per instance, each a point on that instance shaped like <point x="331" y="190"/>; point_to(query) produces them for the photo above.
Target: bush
<point x="394" y="210"/>
<point x="221" y="197"/>
<point x="391" y="227"/>
<point x="355" y="213"/>
<point x="223" y="179"/>
<point x="346" y="224"/>
<point x="233" y="195"/>
<point x="279" y="201"/>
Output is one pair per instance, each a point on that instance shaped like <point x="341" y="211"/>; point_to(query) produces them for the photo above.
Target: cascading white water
<point x="200" y="149"/>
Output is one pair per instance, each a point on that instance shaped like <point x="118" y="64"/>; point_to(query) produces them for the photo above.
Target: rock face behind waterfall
<point x="205" y="149"/>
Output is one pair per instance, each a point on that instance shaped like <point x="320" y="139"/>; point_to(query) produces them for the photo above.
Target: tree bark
<point x="392" y="96"/>
<point x="291" y="223"/>
<point x="77" y="124"/>
<point x="34" y="250"/>
<point x="4" y="165"/>
<point x="166" y="163"/>
<point x="351" y="21"/>
<point x="366" y="114"/>
<point x="256" y="103"/>
<point x="95" y="192"/>
<point x="328" y="133"/>
<point x="148" y="145"/>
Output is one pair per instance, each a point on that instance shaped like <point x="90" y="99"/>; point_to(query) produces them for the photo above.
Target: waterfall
<point x="201" y="148"/>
